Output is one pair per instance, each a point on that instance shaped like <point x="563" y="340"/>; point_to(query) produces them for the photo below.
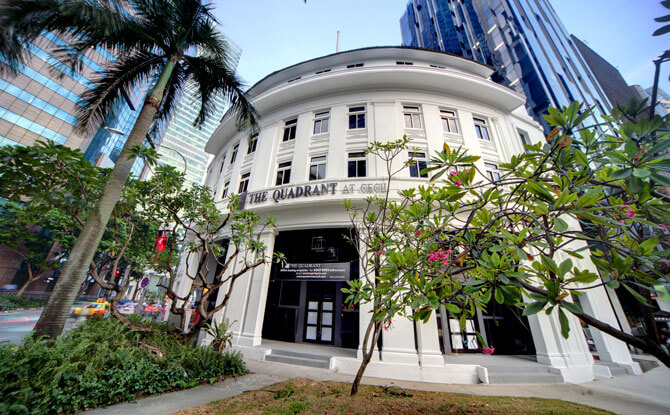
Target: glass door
<point x="319" y="321"/>
<point x="465" y="340"/>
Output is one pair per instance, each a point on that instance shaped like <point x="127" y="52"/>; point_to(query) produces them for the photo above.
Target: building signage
<point x="329" y="271"/>
<point x="311" y="190"/>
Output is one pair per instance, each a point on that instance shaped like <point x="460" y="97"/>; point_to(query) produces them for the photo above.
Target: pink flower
<point x="623" y="222"/>
<point x="381" y="244"/>
<point x="630" y="213"/>
<point x="445" y="262"/>
<point x="417" y="233"/>
<point x="488" y="350"/>
<point x="458" y="183"/>
<point x="449" y="251"/>
<point x="624" y="206"/>
<point x="636" y="158"/>
<point x="664" y="226"/>
<point x="644" y="151"/>
<point x="382" y="252"/>
<point x="453" y="173"/>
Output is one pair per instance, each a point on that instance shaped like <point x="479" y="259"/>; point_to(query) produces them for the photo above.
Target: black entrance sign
<point x="329" y="271"/>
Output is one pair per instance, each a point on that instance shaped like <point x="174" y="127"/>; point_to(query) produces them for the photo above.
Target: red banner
<point x="161" y="241"/>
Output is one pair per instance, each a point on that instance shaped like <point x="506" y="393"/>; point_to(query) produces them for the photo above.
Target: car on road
<point x="127" y="307"/>
<point x="99" y="308"/>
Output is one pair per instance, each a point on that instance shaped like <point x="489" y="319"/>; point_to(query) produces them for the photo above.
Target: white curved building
<point x="317" y="118"/>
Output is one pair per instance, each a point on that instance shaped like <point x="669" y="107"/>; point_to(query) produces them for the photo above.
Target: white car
<point x="127" y="308"/>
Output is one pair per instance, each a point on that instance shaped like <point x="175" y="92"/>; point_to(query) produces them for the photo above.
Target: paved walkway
<point x="639" y="395"/>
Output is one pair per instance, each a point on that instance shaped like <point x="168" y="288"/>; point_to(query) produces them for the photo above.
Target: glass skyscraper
<point x="523" y="40"/>
<point x="182" y="139"/>
<point x="41" y="101"/>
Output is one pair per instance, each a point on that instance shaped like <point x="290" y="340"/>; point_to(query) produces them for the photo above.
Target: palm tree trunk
<point x="55" y="313"/>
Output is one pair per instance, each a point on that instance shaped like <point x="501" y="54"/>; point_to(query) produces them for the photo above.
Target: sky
<point x="274" y="34"/>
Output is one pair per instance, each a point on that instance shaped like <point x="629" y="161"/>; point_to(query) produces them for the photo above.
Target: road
<point x="15" y="325"/>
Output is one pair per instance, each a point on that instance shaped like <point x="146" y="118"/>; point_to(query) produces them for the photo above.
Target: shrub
<point x="12" y="302"/>
<point x="103" y="362"/>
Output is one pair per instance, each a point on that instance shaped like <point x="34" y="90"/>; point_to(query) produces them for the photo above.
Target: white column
<point x="428" y="343"/>
<point x="398" y="342"/>
<point x="246" y="306"/>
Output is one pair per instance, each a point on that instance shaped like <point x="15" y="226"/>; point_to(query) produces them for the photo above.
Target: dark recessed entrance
<point x="305" y="302"/>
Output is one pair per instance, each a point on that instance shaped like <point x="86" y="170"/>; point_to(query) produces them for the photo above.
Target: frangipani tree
<point x="160" y="44"/>
<point x="585" y="209"/>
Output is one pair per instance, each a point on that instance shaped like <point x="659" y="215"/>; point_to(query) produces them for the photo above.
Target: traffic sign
<point x="144" y="282"/>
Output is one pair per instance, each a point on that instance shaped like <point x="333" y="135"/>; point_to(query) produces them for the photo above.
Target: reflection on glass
<point x="313" y="305"/>
<point x="311" y="333"/>
<point x="327" y="306"/>
<point x="327" y="319"/>
<point x="326" y="334"/>
<point x="311" y="317"/>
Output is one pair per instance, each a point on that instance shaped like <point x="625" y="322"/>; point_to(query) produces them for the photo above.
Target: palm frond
<point x="213" y="76"/>
<point x="130" y="69"/>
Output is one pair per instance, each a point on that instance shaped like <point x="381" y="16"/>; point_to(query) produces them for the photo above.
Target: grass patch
<point x="12" y="302"/>
<point x="305" y="396"/>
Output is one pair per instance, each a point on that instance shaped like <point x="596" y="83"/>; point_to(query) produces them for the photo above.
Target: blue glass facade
<point x="523" y="40"/>
<point x="42" y="100"/>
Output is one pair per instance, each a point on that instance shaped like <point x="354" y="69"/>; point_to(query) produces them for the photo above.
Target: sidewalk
<point x="645" y="394"/>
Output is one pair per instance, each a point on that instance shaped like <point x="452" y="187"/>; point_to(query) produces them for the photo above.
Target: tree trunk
<point x="368" y="349"/>
<point x="25" y="285"/>
<point x="55" y="313"/>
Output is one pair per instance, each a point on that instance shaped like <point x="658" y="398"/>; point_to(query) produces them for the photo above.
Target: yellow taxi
<point x="100" y="308"/>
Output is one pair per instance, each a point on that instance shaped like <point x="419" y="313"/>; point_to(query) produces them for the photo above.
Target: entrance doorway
<point x="320" y="313"/>
<point x="305" y="302"/>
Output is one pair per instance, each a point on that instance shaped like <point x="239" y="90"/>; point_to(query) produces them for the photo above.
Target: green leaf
<point x="572" y="307"/>
<point x="630" y="148"/>
<point x="565" y="325"/>
<point x="622" y="173"/>
<point x="560" y="225"/>
<point x="534" y="308"/>
<point x="660" y="179"/>
<point x="613" y="284"/>
<point x="617" y="158"/>
<point x="641" y="173"/>
<point x="635" y="294"/>
<point x="500" y="298"/>
<point x="540" y="191"/>
<point x="452" y="308"/>
<point x="647" y="247"/>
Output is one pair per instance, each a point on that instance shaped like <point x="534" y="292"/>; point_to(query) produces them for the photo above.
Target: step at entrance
<point x="526" y="373"/>
<point x="296" y="358"/>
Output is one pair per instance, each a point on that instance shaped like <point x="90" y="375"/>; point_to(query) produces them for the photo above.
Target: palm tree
<point x="164" y="42"/>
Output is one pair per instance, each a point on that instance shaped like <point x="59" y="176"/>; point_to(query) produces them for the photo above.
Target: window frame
<point x="492" y="171"/>
<point x="321" y="118"/>
<point x="414" y="114"/>
<point x="357" y="114"/>
<point x="317" y="164"/>
<point x="244" y="182"/>
<point x="482" y="125"/>
<point x="253" y="143"/>
<point x="447" y="116"/>
<point x="226" y="186"/>
<point x="233" y="154"/>
<point x="416" y="158"/>
<point x="357" y="157"/>
<point x="283" y="173"/>
<point x="290" y="129"/>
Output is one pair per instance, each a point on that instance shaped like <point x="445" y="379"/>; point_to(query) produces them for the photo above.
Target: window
<point x="449" y="123"/>
<point x="416" y="164"/>
<point x="321" y="121"/>
<point x="294" y="79"/>
<point x="492" y="171"/>
<point x="318" y="243"/>
<point x="225" y="190"/>
<point x="355" y="65"/>
<point x="317" y="168"/>
<point x="356" y="164"/>
<point x="244" y="183"/>
<point x="412" y="116"/>
<point x="524" y="138"/>
<point x="283" y="173"/>
<point x="404" y="63"/>
<point x="289" y="129"/>
<point x="482" y="129"/>
<point x="223" y="161"/>
<point x="356" y="117"/>
<point x="233" y="155"/>
<point x="323" y="71"/>
<point x="252" y="144"/>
